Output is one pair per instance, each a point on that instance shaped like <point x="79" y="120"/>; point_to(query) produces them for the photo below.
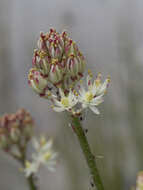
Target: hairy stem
<point x="90" y="159"/>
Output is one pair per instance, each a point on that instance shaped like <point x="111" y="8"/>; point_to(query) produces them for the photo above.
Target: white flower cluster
<point x="77" y="100"/>
<point x="44" y="155"/>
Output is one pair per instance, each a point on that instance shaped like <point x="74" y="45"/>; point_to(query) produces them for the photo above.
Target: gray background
<point x="110" y="35"/>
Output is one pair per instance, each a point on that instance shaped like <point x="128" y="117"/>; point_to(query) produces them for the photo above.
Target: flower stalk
<point x="90" y="158"/>
<point x="30" y="179"/>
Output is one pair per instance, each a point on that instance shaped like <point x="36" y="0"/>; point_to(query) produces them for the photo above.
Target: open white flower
<point x="30" y="168"/>
<point x="43" y="155"/>
<point x="65" y="102"/>
<point x="93" y="96"/>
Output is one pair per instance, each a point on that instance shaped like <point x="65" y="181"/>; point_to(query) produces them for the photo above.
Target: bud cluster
<point x="57" y="62"/>
<point x="15" y="129"/>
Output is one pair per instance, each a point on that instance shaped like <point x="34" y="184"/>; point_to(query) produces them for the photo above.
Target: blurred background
<point x="110" y="35"/>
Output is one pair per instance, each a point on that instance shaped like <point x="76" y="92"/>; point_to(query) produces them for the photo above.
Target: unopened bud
<point x="37" y="80"/>
<point x="58" y="59"/>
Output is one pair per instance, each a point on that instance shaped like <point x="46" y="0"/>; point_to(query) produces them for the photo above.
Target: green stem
<point x="31" y="183"/>
<point x="90" y="159"/>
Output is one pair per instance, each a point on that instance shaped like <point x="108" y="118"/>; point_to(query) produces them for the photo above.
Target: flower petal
<point x="58" y="109"/>
<point x="94" y="109"/>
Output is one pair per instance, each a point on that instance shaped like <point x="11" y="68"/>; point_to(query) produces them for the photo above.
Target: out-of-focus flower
<point x="57" y="61"/>
<point x="43" y="155"/>
<point x="139" y="182"/>
<point x="93" y="96"/>
<point x="30" y="168"/>
<point x="15" y="129"/>
<point x="66" y="102"/>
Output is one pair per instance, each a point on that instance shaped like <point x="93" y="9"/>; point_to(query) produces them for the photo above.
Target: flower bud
<point x="15" y="133"/>
<point x="15" y="129"/>
<point x="58" y="59"/>
<point x="56" y="73"/>
<point x="41" y="61"/>
<point x="3" y="139"/>
<point x="37" y="81"/>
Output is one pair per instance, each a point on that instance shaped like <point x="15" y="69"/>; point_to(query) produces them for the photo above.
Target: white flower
<point x="94" y="95"/>
<point x="30" y="168"/>
<point x="65" y="102"/>
<point x="43" y="155"/>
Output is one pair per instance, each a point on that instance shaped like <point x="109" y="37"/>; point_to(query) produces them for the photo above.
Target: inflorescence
<point x="58" y="66"/>
<point x="15" y="129"/>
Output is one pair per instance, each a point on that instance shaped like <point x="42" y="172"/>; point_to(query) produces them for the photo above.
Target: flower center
<point x="65" y="101"/>
<point x="47" y="156"/>
<point x="27" y="165"/>
<point x="43" y="141"/>
<point x="88" y="96"/>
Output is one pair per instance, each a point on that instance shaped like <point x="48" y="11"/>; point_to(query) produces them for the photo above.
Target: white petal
<point x="82" y="90"/>
<point x="61" y="93"/>
<point x="103" y="87"/>
<point x="57" y="103"/>
<point x="35" y="143"/>
<point x="58" y="109"/>
<point x="94" y="109"/>
<point x="47" y="146"/>
<point x="84" y="105"/>
<point x="97" y="100"/>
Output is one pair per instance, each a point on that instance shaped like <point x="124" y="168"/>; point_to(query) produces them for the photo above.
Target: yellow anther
<point x="97" y="82"/>
<point x="52" y="43"/>
<point x="75" y="92"/>
<point x="49" y="94"/>
<point x="88" y="96"/>
<point x="73" y="43"/>
<point x="47" y="155"/>
<point x="65" y="101"/>
<point x="90" y="73"/>
<point x="54" y="61"/>
<point x="99" y="75"/>
<point x="52" y="106"/>
<point x="42" y="54"/>
<point x="43" y="141"/>
<point x="108" y="79"/>
<point x="27" y="164"/>
<point x="80" y="53"/>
